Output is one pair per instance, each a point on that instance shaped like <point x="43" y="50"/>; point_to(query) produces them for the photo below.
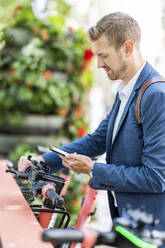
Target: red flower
<point x="16" y="80"/>
<point x="11" y="71"/>
<point x="70" y="30"/>
<point x="44" y="34"/>
<point x="29" y="85"/>
<point x="19" y="7"/>
<point x="16" y="10"/>
<point x="47" y="74"/>
<point x="88" y="54"/>
<point x="87" y="57"/>
<point x="84" y="188"/>
<point x="81" y="131"/>
<point x="63" y="112"/>
<point x="79" y="112"/>
<point x="64" y="12"/>
<point x="36" y="29"/>
<point x="75" y="202"/>
<point x="70" y="68"/>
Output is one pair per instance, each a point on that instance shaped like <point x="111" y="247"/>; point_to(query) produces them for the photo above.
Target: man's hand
<point x="78" y="163"/>
<point x="24" y="163"/>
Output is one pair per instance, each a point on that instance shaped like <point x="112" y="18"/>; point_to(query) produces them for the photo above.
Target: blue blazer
<point x="135" y="162"/>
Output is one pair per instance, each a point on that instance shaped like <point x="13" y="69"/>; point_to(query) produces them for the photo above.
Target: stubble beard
<point x="117" y="75"/>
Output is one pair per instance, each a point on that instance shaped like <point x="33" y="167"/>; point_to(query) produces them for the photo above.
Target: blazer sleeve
<point x="149" y="176"/>
<point x="91" y="145"/>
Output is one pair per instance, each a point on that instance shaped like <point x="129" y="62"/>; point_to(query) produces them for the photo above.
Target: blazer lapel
<point x="110" y="127"/>
<point x="125" y="112"/>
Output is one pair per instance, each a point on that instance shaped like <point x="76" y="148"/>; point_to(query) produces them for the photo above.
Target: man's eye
<point x="104" y="56"/>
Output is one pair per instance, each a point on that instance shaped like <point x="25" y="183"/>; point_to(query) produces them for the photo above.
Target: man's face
<point x="109" y="58"/>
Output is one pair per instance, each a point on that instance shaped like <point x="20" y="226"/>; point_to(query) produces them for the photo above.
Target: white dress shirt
<point x="124" y="91"/>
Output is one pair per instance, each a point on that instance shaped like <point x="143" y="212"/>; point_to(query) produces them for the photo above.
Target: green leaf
<point x="58" y="22"/>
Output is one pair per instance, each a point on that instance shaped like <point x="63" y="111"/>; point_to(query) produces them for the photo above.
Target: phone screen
<point x="57" y="150"/>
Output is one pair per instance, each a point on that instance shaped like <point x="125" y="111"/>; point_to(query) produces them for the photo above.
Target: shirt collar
<point x="125" y="90"/>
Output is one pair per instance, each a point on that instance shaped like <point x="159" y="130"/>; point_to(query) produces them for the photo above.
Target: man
<point x="134" y="171"/>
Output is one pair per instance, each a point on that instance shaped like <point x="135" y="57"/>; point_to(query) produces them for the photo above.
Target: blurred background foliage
<point x="45" y="70"/>
<point x="8" y="7"/>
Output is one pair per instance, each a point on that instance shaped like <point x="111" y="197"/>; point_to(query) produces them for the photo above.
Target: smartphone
<point x="57" y="150"/>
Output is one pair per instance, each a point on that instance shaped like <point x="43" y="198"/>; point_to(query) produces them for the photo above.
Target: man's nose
<point x="100" y="63"/>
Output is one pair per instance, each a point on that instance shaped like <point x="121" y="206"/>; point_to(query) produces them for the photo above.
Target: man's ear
<point x="127" y="48"/>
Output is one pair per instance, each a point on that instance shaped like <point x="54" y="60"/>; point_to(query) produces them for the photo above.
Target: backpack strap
<point x="141" y="92"/>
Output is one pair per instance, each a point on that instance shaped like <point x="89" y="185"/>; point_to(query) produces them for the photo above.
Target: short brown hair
<point x="117" y="27"/>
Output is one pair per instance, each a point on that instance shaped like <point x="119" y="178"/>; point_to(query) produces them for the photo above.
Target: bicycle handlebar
<point x="54" y="197"/>
<point x="19" y="174"/>
<point x="86" y="235"/>
<point x="59" y="236"/>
